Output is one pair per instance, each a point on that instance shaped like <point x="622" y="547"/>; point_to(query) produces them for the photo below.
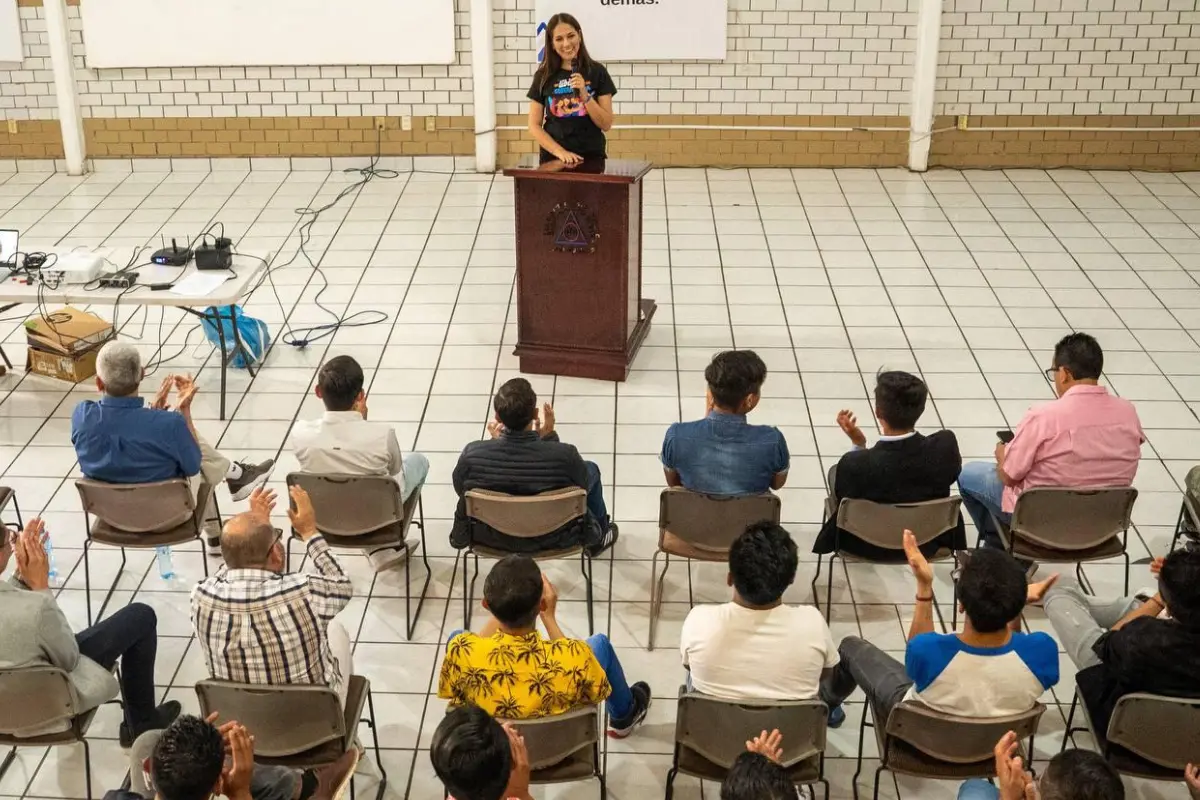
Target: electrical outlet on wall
<point x="406" y="122"/>
<point x="430" y="124"/>
<point x="380" y="123"/>
<point x="12" y="126"/>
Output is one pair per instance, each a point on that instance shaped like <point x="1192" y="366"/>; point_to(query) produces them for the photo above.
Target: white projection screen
<point x="240" y="33"/>
<point x="10" y="32"/>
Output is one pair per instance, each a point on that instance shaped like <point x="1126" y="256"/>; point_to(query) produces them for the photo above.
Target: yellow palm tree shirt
<point x="521" y="677"/>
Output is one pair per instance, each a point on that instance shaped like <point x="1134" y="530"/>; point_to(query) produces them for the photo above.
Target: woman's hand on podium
<point x="568" y="158"/>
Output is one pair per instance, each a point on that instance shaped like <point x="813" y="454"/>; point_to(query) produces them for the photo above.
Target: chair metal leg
<point x="672" y="773"/>
<point x="954" y="612"/>
<point x="585" y="565"/>
<point x="375" y="740"/>
<point x="829" y="589"/>
<point x="878" y="774"/>
<point x="17" y="510"/>
<point x="1069" y="733"/>
<point x="87" y="767"/>
<point x="87" y="573"/>
<point x="862" y="735"/>
<point x="828" y="791"/>
<point x="600" y="771"/>
<point x="1178" y="528"/>
<point x="691" y="599"/>
<point x="656" y="592"/>
<point x="411" y="618"/>
<point x="8" y="759"/>
<point x="1084" y="582"/>
<point x="816" y="577"/>
<point x="469" y="593"/>
<point x="1126" y="554"/>
<point x="111" y="589"/>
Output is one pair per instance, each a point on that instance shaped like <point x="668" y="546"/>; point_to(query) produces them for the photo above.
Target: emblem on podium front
<point x="572" y="228"/>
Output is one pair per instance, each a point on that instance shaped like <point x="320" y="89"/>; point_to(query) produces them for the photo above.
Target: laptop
<point x="8" y="245"/>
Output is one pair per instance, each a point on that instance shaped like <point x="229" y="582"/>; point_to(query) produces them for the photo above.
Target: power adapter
<point x="215" y="256"/>
<point x="117" y="280"/>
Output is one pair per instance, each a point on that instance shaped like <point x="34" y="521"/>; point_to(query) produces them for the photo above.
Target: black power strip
<point x="117" y="280"/>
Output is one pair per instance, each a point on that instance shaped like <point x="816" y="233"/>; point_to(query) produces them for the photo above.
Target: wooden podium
<point x="580" y="310"/>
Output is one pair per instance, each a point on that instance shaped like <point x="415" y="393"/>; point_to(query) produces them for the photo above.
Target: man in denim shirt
<point x="723" y="454"/>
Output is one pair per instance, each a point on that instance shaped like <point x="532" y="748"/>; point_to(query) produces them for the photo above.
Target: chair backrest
<point x="883" y="524"/>
<point x="34" y="697"/>
<point x="957" y="740"/>
<point x="1073" y="519"/>
<point x="718" y="729"/>
<point x="285" y="720"/>
<point x="1140" y="720"/>
<point x="139" y="507"/>
<point x="712" y="523"/>
<point x="525" y="517"/>
<point x="351" y="505"/>
<point x="551" y="740"/>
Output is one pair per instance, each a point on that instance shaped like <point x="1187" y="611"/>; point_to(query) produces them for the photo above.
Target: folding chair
<point x="525" y="517"/>
<point x="564" y="747"/>
<point x="7" y="496"/>
<point x="710" y="734"/>
<point x="1134" y="742"/>
<point x="367" y="512"/>
<point x="701" y="527"/>
<point x="298" y="726"/>
<point x="1053" y="523"/>
<point x="139" y="515"/>
<point x="1187" y="525"/>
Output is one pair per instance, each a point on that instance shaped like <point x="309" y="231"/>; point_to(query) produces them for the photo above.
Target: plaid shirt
<point x="257" y="626"/>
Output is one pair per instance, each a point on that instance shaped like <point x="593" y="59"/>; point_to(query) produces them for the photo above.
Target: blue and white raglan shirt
<point x="965" y="681"/>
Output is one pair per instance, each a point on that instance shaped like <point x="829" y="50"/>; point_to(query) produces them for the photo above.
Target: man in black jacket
<point x="903" y="467"/>
<point x="525" y="457"/>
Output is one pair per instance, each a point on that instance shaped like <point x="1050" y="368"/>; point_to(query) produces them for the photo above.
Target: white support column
<point x="925" y="59"/>
<point x="483" y="81"/>
<point x="58" y="36"/>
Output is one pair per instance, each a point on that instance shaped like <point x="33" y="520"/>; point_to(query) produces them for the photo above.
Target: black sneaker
<point x="610" y="538"/>
<point x="253" y="476"/>
<point x="620" y="728"/>
<point x="165" y="715"/>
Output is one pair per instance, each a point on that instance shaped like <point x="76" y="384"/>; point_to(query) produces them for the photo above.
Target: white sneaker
<point x="388" y="557"/>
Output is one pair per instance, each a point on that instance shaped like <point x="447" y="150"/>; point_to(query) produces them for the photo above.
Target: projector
<point x="76" y="267"/>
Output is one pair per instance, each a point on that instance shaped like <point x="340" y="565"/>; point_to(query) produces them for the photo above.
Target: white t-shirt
<point x="343" y="442"/>
<point x="737" y="653"/>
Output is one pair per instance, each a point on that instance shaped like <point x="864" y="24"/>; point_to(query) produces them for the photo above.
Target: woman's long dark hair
<point x="551" y="61"/>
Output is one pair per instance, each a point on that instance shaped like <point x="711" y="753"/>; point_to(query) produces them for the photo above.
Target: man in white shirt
<point x="755" y="647"/>
<point x="343" y="442"/>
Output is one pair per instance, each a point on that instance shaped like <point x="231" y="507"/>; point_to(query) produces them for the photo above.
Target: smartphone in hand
<point x="1005" y="436"/>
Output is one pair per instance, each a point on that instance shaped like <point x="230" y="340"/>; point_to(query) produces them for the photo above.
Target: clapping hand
<point x="849" y="425"/>
<point x="1015" y="782"/>
<point x="164" y="393"/>
<point x="262" y="503"/>
<point x="545" y="423"/>
<point x="767" y="744"/>
<point x="921" y="569"/>
<point x="33" y="565"/>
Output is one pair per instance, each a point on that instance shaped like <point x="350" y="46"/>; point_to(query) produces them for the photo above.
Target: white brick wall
<point x="785" y="57"/>
<point x="1069" y="57"/>
<point x="27" y="92"/>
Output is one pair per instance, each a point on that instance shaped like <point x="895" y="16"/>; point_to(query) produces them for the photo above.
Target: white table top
<point x="248" y="270"/>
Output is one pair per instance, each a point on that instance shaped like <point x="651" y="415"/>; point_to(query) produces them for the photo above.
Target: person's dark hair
<point x="756" y="777"/>
<point x="763" y="563"/>
<point x="187" y="760"/>
<point x="516" y="404"/>
<point x="1179" y="582"/>
<point x="733" y="376"/>
<point x="900" y="399"/>
<point x="341" y="380"/>
<point x="992" y="589"/>
<point x="513" y="590"/>
<point x="471" y="755"/>
<point x="552" y="62"/>
<point x="1081" y="355"/>
<point x="1080" y="775"/>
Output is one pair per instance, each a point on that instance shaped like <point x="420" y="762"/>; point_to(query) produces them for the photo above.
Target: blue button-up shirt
<point x="723" y="454"/>
<point x="119" y="440"/>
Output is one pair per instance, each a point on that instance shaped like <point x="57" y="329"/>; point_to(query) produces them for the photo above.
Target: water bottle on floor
<point x="166" y="569"/>
<point x="53" y="572"/>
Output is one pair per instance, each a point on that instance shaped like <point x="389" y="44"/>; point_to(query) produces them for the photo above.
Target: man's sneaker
<point x="620" y="728"/>
<point x="387" y="557"/>
<point x="164" y="716"/>
<point x="333" y="780"/>
<point x="837" y="715"/>
<point x="610" y="538"/>
<point x="253" y="476"/>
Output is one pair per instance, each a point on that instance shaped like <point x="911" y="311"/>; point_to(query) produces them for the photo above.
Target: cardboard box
<point x="65" y="344"/>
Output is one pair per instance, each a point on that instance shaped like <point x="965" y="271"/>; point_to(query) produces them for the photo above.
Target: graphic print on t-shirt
<point x="563" y="102"/>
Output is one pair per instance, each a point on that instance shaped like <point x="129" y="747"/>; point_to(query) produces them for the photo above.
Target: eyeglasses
<point x="1049" y="373"/>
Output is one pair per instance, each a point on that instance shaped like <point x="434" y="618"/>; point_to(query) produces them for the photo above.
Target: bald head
<point x="247" y="542"/>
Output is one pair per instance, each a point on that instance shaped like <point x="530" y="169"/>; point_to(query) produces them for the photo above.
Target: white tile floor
<point x="967" y="277"/>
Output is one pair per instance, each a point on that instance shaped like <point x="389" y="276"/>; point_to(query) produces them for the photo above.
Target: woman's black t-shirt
<point x="565" y="115"/>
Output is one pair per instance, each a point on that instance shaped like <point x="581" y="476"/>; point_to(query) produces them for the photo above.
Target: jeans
<point x="863" y="665"/>
<point x="595" y="495"/>
<point x="416" y="470"/>
<point x="130" y="635"/>
<point x="974" y="789"/>
<point x="982" y="493"/>
<point x="1079" y="619"/>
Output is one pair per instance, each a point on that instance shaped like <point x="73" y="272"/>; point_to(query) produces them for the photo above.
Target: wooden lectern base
<point x="602" y="365"/>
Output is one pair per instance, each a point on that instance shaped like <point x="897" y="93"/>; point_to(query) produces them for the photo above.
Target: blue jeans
<point x="982" y="492"/>
<point x="595" y="495"/>
<point x="416" y="470"/>
<point x="978" y="789"/>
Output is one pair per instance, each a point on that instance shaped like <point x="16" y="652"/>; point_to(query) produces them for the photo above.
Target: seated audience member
<point x="1086" y="437"/>
<point x="510" y="671"/>
<point x="790" y="647"/>
<point x="757" y="773"/>
<point x="525" y="457"/>
<point x="34" y="631"/>
<point x="1070" y="775"/>
<point x="119" y="439"/>
<point x="1133" y="644"/>
<point x="187" y="761"/>
<point x="903" y="467"/>
<point x="723" y="454"/>
<point x="987" y="670"/>
<point x="257" y="624"/>
<point x="477" y="758"/>
<point x="343" y="442"/>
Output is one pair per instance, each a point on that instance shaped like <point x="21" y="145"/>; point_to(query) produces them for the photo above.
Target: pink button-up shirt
<point x="1087" y="437"/>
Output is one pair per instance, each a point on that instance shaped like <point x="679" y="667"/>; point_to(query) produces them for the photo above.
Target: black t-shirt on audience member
<point x="565" y="116"/>
<point x="1159" y="656"/>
